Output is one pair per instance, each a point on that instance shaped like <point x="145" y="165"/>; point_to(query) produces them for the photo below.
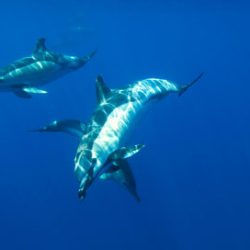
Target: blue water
<point x="192" y="176"/>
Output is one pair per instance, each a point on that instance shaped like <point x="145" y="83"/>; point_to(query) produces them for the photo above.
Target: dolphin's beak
<point x="38" y="129"/>
<point x="84" y="185"/>
<point x="81" y="193"/>
<point x="88" y="57"/>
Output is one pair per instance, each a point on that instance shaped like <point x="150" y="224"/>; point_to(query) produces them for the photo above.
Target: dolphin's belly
<point x="36" y="73"/>
<point x="110" y="136"/>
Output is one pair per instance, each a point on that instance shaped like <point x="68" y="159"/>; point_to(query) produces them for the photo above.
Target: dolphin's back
<point x="29" y="72"/>
<point x="17" y="64"/>
<point x="152" y="88"/>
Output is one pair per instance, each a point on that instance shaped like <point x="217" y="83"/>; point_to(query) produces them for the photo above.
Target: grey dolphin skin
<point x="24" y="75"/>
<point x="100" y="154"/>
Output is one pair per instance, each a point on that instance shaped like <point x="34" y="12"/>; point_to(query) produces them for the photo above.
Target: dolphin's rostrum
<point x="24" y="75"/>
<point x="100" y="153"/>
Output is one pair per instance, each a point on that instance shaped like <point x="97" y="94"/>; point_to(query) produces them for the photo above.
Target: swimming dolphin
<point x="99" y="153"/>
<point x="24" y="75"/>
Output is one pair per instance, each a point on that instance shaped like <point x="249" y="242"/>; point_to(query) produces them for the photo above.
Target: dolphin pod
<point x="100" y="153"/>
<point x="24" y="75"/>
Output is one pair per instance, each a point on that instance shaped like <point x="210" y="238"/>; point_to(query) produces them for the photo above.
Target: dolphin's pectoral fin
<point x="125" y="152"/>
<point x="21" y="93"/>
<point x="102" y="90"/>
<point x="40" y="47"/>
<point x="72" y="127"/>
<point x="120" y="170"/>
<point x="26" y="92"/>
<point x="183" y="88"/>
<point x="32" y="90"/>
<point x="121" y="173"/>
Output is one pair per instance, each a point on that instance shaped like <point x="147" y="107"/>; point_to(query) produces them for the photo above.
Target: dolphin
<point x="100" y="153"/>
<point x="24" y="75"/>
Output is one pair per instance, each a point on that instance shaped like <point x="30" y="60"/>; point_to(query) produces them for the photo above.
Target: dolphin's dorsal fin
<point x="40" y="47"/>
<point x="121" y="173"/>
<point x="102" y="90"/>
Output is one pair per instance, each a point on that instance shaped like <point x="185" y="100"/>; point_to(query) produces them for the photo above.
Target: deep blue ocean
<point x="193" y="176"/>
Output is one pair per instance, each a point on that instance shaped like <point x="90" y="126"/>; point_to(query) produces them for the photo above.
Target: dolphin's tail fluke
<point x="187" y="86"/>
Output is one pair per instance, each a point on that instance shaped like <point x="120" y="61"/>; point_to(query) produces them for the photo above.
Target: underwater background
<point x="192" y="176"/>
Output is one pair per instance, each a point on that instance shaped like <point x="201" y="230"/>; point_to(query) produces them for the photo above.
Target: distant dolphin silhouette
<point x="24" y="75"/>
<point x="99" y="153"/>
